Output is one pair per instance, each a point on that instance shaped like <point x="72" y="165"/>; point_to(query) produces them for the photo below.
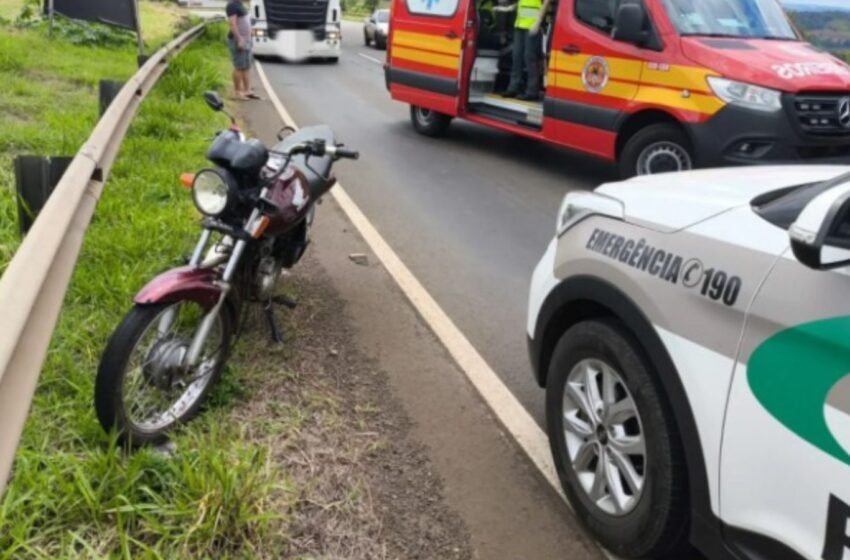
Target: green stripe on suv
<point x="795" y="372"/>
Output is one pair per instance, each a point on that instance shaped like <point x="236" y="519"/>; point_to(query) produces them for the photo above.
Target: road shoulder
<point x="509" y="510"/>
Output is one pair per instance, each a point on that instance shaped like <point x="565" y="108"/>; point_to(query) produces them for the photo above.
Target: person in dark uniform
<point x="528" y="50"/>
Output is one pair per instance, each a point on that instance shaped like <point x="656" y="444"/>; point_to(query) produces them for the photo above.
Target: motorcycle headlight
<point x="211" y="191"/>
<point x="746" y="95"/>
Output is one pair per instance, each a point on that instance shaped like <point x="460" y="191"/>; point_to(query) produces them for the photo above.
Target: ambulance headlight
<point x="746" y="95"/>
<point x="211" y="191"/>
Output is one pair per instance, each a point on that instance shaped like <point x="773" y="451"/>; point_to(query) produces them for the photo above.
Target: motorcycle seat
<point x="240" y="157"/>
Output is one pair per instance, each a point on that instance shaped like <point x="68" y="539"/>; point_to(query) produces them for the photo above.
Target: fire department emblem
<point x="595" y="74"/>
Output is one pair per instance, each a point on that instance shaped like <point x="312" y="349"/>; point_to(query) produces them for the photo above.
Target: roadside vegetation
<point x="73" y="494"/>
<point x="829" y="30"/>
<point x="358" y="9"/>
<point x="301" y="451"/>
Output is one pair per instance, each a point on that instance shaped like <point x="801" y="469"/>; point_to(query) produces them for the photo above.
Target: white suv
<point x="693" y="336"/>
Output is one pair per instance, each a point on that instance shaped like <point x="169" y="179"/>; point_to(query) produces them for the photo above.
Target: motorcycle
<point x="258" y="206"/>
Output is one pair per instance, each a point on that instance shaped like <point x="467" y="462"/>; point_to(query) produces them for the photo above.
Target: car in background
<point x="692" y="331"/>
<point x="376" y="29"/>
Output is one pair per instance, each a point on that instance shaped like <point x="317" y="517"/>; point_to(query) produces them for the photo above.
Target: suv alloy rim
<point x="604" y="436"/>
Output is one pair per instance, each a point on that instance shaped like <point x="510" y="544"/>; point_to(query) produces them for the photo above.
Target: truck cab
<point x="297" y="30"/>
<point x="651" y="85"/>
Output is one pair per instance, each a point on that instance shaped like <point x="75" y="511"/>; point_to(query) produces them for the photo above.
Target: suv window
<point x="782" y="207"/>
<point x="598" y="14"/>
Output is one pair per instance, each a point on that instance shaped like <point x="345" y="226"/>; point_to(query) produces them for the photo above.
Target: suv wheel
<point x="659" y="148"/>
<point x="428" y="122"/>
<point x="365" y="38"/>
<point x="615" y="444"/>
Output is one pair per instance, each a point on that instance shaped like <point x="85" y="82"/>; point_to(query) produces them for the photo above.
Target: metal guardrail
<point x="33" y="287"/>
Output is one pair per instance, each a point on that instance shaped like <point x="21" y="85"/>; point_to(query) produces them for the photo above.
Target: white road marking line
<point x="371" y="58"/>
<point x="508" y="410"/>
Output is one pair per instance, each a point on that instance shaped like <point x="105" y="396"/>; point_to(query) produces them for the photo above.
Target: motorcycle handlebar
<point x="320" y="149"/>
<point x="340" y="152"/>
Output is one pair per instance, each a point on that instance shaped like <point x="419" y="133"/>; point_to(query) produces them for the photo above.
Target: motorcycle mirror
<point x="214" y="101"/>
<point x="284" y="132"/>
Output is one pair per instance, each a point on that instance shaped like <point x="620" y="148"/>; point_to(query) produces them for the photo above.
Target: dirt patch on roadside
<point x="358" y="485"/>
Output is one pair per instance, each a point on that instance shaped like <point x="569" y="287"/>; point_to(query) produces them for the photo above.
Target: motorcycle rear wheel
<point x="126" y="386"/>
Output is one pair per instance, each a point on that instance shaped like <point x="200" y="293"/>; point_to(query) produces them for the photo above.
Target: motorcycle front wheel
<point x="142" y="391"/>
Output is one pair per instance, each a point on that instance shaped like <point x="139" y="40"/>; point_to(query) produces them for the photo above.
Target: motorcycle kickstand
<point x="276" y="334"/>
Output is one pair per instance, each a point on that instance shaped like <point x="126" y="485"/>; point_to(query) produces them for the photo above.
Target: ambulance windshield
<point x="746" y="19"/>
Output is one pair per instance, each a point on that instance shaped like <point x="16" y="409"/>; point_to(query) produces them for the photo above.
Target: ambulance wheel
<point x="428" y="122"/>
<point x="659" y="148"/>
<point x="615" y="443"/>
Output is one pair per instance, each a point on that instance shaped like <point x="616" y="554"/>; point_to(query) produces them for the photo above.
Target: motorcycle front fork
<point x="190" y="359"/>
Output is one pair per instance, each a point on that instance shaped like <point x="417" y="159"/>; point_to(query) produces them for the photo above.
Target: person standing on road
<point x="239" y="42"/>
<point x="528" y="50"/>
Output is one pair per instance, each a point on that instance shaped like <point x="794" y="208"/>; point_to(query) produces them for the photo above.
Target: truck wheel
<point x="659" y="148"/>
<point x="615" y="443"/>
<point x="428" y="122"/>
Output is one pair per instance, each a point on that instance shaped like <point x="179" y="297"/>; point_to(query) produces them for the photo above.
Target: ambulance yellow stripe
<point x="444" y="61"/>
<point x="697" y="102"/>
<point x="620" y="68"/>
<point x="674" y="76"/>
<point x="622" y="90"/>
<point x="665" y="97"/>
<point x="685" y="77"/>
<point x="435" y="43"/>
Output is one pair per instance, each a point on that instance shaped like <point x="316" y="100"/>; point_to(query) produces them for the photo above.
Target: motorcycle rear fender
<point x="185" y="283"/>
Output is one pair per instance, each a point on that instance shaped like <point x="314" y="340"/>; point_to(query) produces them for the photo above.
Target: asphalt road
<point x="470" y="214"/>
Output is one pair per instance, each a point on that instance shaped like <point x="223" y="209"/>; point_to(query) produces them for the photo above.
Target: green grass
<point x="160" y="20"/>
<point x="73" y="494"/>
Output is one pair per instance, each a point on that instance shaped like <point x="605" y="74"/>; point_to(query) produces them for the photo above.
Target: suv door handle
<point x="450" y="35"/>
<point x="571" y="49"/>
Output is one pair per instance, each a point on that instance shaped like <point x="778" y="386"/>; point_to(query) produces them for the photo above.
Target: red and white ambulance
<point x="653" y="85"/>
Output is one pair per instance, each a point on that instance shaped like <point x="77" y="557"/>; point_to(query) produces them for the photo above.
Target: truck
<point x="297" y="30"/>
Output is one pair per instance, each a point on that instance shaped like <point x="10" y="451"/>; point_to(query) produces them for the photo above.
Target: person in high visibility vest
<point x="528" y="50"/>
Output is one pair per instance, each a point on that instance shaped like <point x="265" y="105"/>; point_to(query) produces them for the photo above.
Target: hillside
<point x="829" y="29"/>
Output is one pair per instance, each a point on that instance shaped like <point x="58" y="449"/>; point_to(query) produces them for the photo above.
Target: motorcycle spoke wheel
<point x="142" y="389"/>
<point x="157" y="391"/>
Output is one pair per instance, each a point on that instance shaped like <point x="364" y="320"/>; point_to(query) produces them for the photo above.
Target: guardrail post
<point x="108" y="90"/>
<point x="35" y="179"/>
<point x="34" y="283"/>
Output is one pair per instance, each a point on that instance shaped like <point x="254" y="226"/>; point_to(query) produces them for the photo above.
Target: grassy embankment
<point x="73" y="494"/>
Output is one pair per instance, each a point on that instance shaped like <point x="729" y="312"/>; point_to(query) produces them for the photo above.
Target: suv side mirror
<point x="820" y="238"/>
<point x="629" y="24"/>
<point x="214" y="101"/>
